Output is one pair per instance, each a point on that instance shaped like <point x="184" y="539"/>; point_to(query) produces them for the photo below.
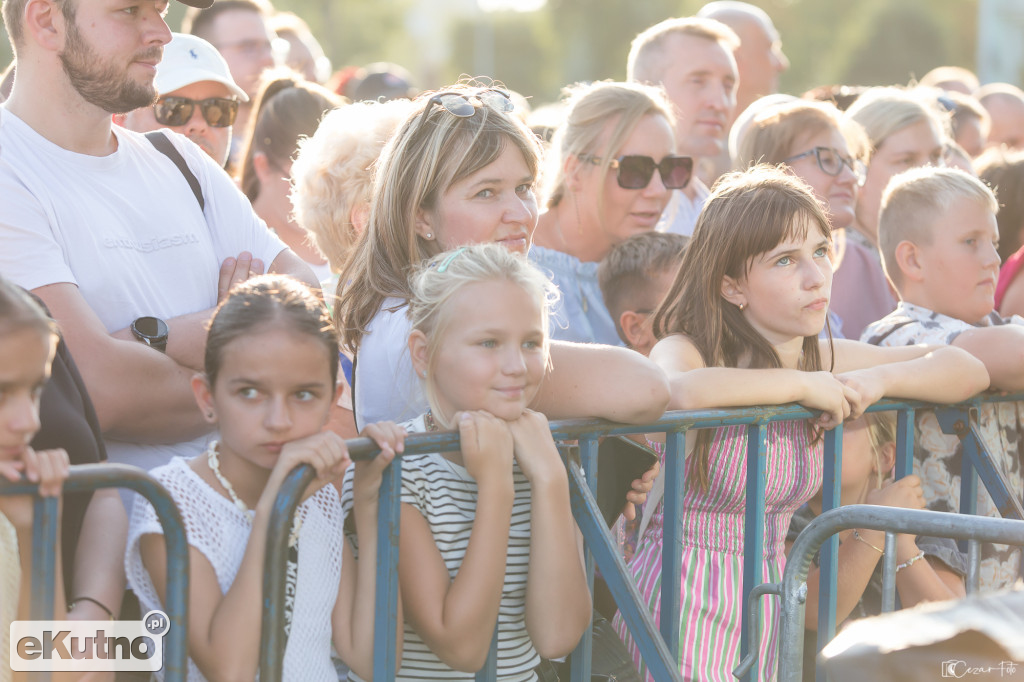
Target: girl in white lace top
<point x="271" y="364"/>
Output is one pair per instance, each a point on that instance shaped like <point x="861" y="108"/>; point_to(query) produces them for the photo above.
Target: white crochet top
<point x="10" y="577"/>
<point x="220" y="531"/>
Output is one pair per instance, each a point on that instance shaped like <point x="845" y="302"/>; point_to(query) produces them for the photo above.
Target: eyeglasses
<point x="635" y="172"/>
<point x="460" y="104"/>
<point x="831" y="162"/>
<point x="218" y="112"/>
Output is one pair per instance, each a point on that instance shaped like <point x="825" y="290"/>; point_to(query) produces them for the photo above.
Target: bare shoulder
<point x="677" y="353"/>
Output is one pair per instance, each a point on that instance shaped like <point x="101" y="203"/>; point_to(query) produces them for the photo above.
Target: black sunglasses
<point x="460" y="104"/>
<point x="218" y="112"/>
<point x="831" y="162"/>
<point x="635" y="172"/>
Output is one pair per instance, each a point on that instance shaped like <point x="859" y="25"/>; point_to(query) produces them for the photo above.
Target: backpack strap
<point x="165" y="147"/>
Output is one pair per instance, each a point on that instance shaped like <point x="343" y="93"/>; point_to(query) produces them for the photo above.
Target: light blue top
<point x="580" y="315"/>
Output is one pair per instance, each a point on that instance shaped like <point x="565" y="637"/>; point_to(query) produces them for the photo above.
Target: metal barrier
<point x="86" y="477"/>
<point x="794" y="582"/>
<point x="660" y="654"/>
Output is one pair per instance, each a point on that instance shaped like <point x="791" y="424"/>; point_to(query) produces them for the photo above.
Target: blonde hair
<point x="592" y="109"/>
<point x="647" y="60"/>
<point x="881" y="428"/>
<point x="428" y="154"/>
<point x="884" y="111"/>
<point x="774" y="133"/>
<point x="914" y="199"/>
<point x="333" y="172"/>
<point x="439" y="279"/>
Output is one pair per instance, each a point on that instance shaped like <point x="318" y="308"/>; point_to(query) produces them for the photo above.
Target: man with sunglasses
<point x="130" y="246"/>
<point x="196" y="97"/>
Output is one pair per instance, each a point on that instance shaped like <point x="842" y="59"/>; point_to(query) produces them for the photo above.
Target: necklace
<point x="213" y="460"/>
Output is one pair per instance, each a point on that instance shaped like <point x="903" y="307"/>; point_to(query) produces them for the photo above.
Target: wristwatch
<point x="152" y="331"/>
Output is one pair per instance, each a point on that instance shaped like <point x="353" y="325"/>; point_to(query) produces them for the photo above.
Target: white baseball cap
<point x="189" y="59"/>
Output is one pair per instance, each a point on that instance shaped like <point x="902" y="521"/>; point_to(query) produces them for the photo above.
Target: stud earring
<point x="428" y="235"/>
<point x="209" y="415"/>
<point x="742" y="306"/>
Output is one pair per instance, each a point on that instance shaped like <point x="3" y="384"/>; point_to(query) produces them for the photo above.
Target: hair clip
<point x="448" y="261"/>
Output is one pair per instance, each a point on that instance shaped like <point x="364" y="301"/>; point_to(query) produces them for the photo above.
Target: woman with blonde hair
<point x="612" y="165"/>
<point x="904" y="131"/>
<point x="332" y="176"/>
<point x="461" y="170"/>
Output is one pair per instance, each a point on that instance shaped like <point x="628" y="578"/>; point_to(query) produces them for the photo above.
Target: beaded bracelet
<point x="857" y="536"/>
<point x="910" y="561"/>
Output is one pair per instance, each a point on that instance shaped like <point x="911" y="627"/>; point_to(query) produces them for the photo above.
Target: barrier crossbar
<point x="660" y="653"/>
<point x="89" y="477"/>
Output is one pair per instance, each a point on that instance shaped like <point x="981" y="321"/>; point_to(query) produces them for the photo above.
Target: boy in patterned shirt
<point x="938" y="238"/>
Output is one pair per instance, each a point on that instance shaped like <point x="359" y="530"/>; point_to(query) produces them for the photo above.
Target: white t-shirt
<point x="386" y="386"/>
<point x="126" y="229"/>
<point x="681" y="213"/>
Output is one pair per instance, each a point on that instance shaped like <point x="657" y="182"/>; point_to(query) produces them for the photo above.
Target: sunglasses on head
<point x="218" y="112"/>
<point x="635" y="172"/>
<point x="460" y="104"/>
<point x="831" y="162"/>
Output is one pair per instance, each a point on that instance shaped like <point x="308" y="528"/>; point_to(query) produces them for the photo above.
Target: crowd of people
<point x="220" y="261"/>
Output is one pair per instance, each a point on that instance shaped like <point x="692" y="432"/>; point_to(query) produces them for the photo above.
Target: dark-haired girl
<point x="739" y="327"/>
<point x="271" y="364"/>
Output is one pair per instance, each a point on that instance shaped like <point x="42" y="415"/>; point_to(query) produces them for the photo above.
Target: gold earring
<point x="742" y="306"/>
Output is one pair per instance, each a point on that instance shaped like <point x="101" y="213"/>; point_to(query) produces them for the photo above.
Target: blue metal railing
<point x="660" y="654"/>
<point x="88" y="477"/>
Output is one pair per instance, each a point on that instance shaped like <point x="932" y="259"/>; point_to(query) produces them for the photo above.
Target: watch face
<point x="151" y="327"/>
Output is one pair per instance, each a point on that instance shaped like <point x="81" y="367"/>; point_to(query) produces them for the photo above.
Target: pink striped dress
<point x="712" y="563"/>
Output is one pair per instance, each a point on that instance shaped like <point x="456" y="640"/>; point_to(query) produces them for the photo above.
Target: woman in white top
<point x="461" y="170"/>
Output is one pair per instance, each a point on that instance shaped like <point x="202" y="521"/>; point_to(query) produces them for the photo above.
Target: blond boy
<point x="634" y="277"/>
<point x="938" y="238"/>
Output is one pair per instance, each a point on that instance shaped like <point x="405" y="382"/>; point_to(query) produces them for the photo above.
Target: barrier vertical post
<point x="671" y="544"/>
<point x="386" y="599"/>
<point x="828" y="558"/>
<point x="753" y="533"/>
<point x="583" y="653"/>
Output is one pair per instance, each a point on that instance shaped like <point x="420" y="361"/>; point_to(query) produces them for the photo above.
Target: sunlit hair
<point x="333" y="173"/>
<point x="269" y="302"/>
<point x="599" y="118"/>
<point x="881" y="428"/>
<point x="18" y="310"/>
<point x="884" y="111"/>
<point x="443" y="276"/>
<point x="647" y="60"/>
<point x="287" y="109"/>
<point x="914" y="200"/>
<point x="1003" y="171"/>
<point x="423" y="159"/>
<point x="773" y="135"/>
<point x="748" y="214"/>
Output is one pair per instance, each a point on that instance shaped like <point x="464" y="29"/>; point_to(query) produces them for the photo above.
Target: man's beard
<point x="102" y="84"/>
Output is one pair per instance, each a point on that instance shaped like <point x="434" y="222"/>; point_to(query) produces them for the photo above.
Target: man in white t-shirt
<point x="106" y="229"/>
<point x="693" y="60"/>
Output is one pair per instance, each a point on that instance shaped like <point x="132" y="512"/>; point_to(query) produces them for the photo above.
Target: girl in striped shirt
<point x="739" y="327"/>
<point x="488" y="539"/>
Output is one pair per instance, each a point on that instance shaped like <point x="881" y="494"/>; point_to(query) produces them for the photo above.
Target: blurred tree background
<point x="866" y="42"/>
